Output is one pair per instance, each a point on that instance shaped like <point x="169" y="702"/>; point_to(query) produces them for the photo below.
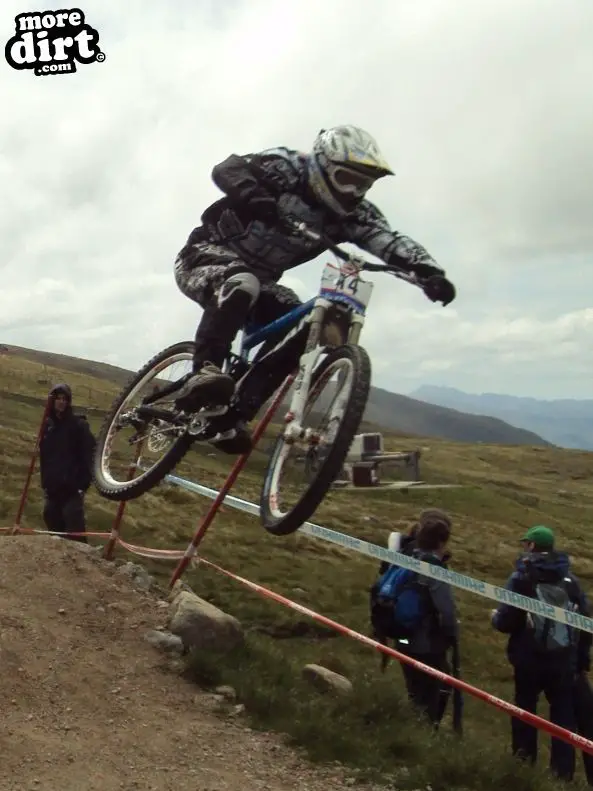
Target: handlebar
<point x="361" y="263"/>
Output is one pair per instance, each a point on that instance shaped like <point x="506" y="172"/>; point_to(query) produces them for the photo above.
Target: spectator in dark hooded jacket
<point x="65" y="460"/>
<point x="422" y="688"/>
<point x="547" y="656"/>
<point x="438" y="632"/>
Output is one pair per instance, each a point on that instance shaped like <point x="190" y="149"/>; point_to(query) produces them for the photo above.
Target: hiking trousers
<point x="557" y="684"/>
<point x="65" y="514"/>
<point x="427" y="693"/>
<point x="583" y="700"/>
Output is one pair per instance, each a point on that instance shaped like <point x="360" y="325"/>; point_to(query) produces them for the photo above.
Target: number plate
<point x="343" y="284"/>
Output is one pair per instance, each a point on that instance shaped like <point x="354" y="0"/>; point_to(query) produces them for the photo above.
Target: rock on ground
<point x="87" y="704"/>
<point x="203" y="626"/>
<point x="326" y="680"/>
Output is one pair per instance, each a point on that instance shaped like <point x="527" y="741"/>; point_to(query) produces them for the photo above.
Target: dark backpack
<point x="552" y="637"/>
<point x="398" y="604"/>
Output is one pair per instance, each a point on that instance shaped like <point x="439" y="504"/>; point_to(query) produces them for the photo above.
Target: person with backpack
<point x="419" y="614"/>
<point x="547" y="656"/>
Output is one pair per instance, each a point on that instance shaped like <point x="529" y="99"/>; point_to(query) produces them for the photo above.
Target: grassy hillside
<point x="393" y="412"/>
<point x="52" y="362"/>
<point x="507" y="489"/>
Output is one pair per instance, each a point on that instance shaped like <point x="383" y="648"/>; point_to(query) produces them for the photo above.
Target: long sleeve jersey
<point x="267" y="247"/>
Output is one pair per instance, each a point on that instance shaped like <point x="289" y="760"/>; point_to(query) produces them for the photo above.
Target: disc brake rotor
<point x="159" y="437"/>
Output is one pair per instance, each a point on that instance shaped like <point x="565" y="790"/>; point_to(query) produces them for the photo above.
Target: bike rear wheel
<point x="168" y="440"/>
<point x="329" y="445"/>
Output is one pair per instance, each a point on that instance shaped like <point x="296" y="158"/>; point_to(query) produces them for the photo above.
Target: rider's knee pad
<point x="241" y="288"/>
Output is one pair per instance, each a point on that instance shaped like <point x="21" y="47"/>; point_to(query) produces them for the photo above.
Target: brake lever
<point x="301" y="228"/>
<point x="375" y="267"/>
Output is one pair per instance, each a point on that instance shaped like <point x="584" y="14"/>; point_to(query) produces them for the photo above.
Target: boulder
<point x="203" y="626"/>
<point x="326" y="680"/>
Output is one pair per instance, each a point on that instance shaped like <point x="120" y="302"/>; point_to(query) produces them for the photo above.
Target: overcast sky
<point x="485" y="110"/>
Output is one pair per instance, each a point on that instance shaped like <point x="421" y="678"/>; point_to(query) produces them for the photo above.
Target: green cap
<point x="542" y="537"/>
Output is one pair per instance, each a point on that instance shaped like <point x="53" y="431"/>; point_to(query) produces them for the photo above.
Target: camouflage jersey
<point x="270" y="250"/>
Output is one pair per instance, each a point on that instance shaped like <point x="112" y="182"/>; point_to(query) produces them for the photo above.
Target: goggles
<point x="349" y="182"/>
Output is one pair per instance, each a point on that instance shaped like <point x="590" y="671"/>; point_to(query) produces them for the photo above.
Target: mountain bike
<point x="332" y="382"/>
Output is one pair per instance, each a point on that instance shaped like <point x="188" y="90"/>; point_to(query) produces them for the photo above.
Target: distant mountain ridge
<point x="392" y="412"/>
<point x="565" y="422"/>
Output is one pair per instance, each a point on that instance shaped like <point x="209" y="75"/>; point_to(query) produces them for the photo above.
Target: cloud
<point x="485" y="110"/>
<point x="470" y="355"/>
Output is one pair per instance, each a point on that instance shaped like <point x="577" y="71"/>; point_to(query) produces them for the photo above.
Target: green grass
<point x="506" y="490"/>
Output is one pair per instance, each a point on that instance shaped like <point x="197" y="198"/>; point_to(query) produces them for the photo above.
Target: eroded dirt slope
<point x="86" y="702"/>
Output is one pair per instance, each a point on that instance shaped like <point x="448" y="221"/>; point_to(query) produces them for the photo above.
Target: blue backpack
<point x="399" y="604"/>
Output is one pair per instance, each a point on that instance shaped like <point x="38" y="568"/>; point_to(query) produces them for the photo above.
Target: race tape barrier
<point x="366" y="548"/>
<point x="532" y="719"/>
<point x="453" y="578"/>
<point x="579" y="742"/>
<point x="33" y="531"/>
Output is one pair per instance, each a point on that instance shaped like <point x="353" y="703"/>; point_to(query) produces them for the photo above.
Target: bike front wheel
<point x="304" y="470"/>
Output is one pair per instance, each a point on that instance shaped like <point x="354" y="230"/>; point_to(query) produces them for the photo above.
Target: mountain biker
<point x="231" y="263"/>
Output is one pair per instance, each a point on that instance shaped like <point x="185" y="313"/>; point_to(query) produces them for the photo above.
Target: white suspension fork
<point x="307" y="363"/>
<point x="356" y="325"/>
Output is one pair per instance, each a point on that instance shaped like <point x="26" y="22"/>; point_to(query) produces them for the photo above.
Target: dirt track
<point x="86" y="703"/>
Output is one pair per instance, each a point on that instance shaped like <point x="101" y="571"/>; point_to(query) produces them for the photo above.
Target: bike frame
<point x="339" y="285"/>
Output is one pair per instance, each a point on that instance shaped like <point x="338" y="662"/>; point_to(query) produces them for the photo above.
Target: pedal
<point x="221" y="435"/>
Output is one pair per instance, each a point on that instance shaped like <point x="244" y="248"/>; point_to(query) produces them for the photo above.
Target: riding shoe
<point x="208" y="386"/>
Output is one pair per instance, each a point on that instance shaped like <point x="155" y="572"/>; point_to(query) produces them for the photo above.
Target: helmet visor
<point x="350" y="181"/>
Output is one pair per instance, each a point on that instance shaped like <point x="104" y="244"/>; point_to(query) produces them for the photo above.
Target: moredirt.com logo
<point x="51" y="42"/>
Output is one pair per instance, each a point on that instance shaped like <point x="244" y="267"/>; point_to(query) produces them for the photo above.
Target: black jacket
<point x="66" y="450"/>
<point x="439" y="630"/>
<point x="266" y="246"/>
<point x="521" y="649"/>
